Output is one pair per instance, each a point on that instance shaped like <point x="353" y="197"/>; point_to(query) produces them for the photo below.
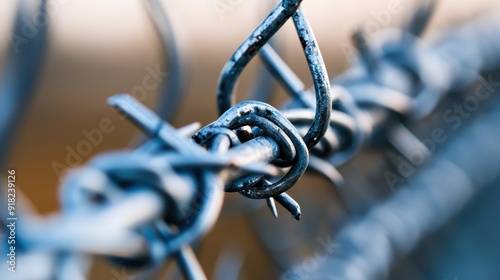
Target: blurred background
<point x="97" y="48"/>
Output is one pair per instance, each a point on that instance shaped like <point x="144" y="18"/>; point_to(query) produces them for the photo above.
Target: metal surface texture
<point x="178" y="176"/>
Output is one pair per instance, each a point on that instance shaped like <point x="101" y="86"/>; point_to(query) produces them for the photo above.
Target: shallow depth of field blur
<point x="98" y="48"/>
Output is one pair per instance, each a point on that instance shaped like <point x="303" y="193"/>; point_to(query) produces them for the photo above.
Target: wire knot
<point x="263" y="120"/>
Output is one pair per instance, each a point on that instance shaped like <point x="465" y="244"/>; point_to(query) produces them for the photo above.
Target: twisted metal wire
<point x="253" y="148"/>
<point x="397" y="225"/>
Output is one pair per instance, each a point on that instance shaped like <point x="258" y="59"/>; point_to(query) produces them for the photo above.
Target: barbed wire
<point x="178" y="183"/>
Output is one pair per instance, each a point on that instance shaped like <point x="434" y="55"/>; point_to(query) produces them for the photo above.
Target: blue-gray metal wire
<point x="253" y="148"/>
<point x="174" y="84"/>
<point x="24" y="60"/>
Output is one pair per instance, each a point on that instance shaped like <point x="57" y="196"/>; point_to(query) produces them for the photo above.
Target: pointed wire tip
<point x="296" y="213"/>
<point x="112" y="100"/>
<point x="190" y="129"/>
<point x="272" y="206"/>
<point x="339" y="182"/>
<point x="359" y="39"/>
<point x="290" y="204"/>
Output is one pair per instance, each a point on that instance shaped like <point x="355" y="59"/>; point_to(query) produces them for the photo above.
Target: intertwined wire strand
<point x="178" y="177"/>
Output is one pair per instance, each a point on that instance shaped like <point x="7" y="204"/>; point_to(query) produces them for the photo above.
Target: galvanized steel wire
<point x="178" y="177"/>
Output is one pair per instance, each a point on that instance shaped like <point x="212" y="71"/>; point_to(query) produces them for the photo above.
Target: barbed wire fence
<point x="178" y="176"/>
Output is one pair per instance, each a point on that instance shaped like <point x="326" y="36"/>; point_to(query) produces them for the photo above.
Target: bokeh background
<point x="98" y="48"/>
